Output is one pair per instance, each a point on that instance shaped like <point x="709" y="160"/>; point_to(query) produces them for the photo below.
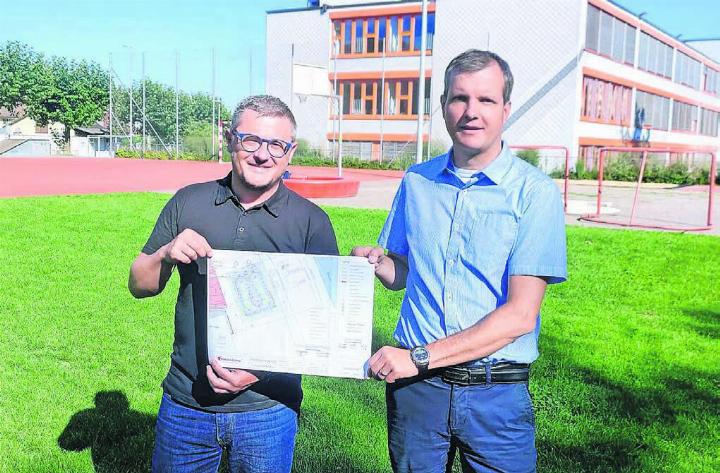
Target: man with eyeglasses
<point x="206" y="408"/>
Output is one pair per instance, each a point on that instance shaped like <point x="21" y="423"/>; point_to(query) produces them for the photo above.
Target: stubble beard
<point x="259" y="188"/>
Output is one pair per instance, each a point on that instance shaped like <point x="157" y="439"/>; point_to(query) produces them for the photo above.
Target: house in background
<point x="92" y="141"/>
<point x="21" y="136"/>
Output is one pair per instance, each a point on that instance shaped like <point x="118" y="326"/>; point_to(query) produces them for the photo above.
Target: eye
<point x="277" y="146"/>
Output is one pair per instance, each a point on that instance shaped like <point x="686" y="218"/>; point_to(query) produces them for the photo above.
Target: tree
<point x="52" y="90"/>
<point x="24" y="77"/>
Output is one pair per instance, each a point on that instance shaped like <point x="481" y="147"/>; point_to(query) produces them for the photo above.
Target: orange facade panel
<point x="395" y="10"/>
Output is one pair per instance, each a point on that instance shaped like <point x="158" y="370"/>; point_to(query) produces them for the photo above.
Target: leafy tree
<point x="74" y="93"/>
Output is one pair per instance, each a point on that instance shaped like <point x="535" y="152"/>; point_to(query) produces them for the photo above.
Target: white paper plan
<point x="290" y="313"/>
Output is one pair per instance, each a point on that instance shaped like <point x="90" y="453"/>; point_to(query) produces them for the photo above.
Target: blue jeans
<point x="191" y="440"/>
<point x="492" y="426"/>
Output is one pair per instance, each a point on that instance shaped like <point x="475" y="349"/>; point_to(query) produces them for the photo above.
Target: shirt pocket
<point x="487" y="245"/>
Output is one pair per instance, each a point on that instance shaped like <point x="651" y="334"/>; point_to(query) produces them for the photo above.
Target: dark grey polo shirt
<point x="285" y="223"/>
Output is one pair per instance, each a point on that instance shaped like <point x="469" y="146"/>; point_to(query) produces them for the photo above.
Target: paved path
<point x="658" y="204"/>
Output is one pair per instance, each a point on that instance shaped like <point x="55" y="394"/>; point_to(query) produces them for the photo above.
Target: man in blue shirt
<point x="475" y="236"/>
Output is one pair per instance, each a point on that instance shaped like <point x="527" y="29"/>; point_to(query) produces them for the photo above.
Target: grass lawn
<point x="628" y="378"/>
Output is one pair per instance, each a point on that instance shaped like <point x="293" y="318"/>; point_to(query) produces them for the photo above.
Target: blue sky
<point x="87" y="29"/>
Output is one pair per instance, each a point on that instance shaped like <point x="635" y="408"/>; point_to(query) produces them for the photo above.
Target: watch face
<point x="420" y="355"/>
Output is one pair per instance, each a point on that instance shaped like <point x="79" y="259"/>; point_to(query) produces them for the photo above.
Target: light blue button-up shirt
<point x="464" y="241"/>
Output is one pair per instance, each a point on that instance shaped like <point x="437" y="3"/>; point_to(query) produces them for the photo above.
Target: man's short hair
<point x="265" y="106"/>
<point x="474" y="60"/>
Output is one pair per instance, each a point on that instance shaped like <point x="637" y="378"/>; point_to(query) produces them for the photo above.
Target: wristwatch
<point x="421" y="358"/>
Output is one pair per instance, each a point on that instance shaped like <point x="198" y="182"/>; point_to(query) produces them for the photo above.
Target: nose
<point x="472" y="110"/>
<point x="262" y="154"/>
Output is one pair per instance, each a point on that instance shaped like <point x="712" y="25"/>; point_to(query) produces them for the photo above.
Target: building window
<point x="712" y="81"/>
<point x="416" y="102"/>
<point x="402" y="33"/>
<point x="363" y="97"/>
<point x="685" y="117"/>
<point x="687" y="70"/>
<point x="655" y="56"/>
<point x="609" y="36"/>
<point x="606" y="102"/>
<point x="709" y="121"/>
<point x="654" y="108"/>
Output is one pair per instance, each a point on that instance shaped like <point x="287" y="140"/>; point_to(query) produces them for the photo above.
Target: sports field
<point x="628" y="378"/>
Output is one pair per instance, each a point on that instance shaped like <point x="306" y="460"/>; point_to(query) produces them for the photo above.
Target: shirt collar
<point x="273" y="205"/>
<point x="495" y="171"/>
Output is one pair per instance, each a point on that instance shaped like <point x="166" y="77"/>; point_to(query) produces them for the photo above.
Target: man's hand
<point x="188" y="246"/>
<point x="374" y="254"/>
<point x="391" y="364"/>
<point x="390" y="269"/>
<point x="228" y="381"/>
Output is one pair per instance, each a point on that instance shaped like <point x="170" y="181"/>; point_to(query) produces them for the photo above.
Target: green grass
<point x="628" y="378"/>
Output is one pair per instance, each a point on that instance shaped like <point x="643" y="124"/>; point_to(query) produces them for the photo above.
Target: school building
<point x="588" y="74"/>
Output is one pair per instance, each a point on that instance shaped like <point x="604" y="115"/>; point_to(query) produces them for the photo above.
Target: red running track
<point x="65" y="175"/>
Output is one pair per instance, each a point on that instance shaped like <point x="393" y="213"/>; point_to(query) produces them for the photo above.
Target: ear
<point x="291" y="153"/>
<point x="228" y="139"/>
<point x="506" y="111"/>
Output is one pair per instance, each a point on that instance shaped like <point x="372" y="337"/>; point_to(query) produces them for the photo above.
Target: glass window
<point x="430" y="30"/>
<point x="357" y="98"/>
<point x="593" y="28"/>
<point x="712" y="81"/>
<point x="381" y="35"/>
<point x="337" y="26"/>
<point x="347" y="40"/>
<point x="629" y="44"/>
<point x="418" y="33"/>
<point x="618" y="49"/>
<point x="393" y="33"/>
<point x="709" y="122"/>
<point x="407" y="32"/>
<point x="606" y="25"/>
<point x="370" y="38"/>
<point x="655" y="108"/>
<point x="643" y="52"/>
<point x="415" y="102"/>
<point x="359" y="36"/>
<point x="391" y="98"/>
<point x="684" y="116"/>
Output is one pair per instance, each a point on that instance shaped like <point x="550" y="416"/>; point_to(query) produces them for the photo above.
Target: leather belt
<point x="501" y="373"/>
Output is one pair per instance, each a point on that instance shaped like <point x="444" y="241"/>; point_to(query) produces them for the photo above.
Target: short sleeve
<point x="322" y="240"/>
<point x="166" y="227"/>
<point x="393" y="236"/>
<point x="540" y="247"/>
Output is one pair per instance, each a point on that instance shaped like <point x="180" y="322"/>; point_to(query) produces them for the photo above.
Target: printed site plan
<point x="290" y="313"/>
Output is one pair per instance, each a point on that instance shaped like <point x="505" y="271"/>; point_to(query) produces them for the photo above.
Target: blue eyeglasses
<point x="251" y="143"/>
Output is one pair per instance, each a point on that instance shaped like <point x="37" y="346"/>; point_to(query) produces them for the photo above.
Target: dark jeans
<point x="491" y="425"/>
<point x="190" y="440"/>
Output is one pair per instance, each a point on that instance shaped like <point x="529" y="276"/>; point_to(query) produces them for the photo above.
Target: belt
<point x="501" y="373"/>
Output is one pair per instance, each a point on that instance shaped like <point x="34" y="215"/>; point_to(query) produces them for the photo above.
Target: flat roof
<point x="331" y="7"/>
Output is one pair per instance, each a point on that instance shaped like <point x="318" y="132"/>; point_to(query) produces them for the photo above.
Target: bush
<point x="621" y="168"/>
<point x="350" y="162"/>
<point x="531" y="156"/>
<point x="160" y="155"/>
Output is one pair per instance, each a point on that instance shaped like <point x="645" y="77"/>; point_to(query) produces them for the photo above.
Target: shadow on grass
<point x="120" y="439"/>
<point x="705" y="322"/>
<point x="624" y="413"/>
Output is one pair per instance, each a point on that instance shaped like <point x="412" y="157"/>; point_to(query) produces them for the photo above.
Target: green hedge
<point x="160" y="155"/>
<point x="624" y="168"/>
<point x="352" y="162"/>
